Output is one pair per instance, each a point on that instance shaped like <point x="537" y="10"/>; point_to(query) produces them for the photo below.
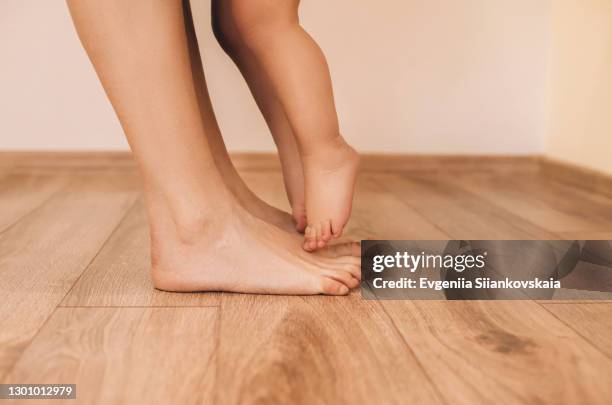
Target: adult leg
<point x="298" y="72"/>
<point x="232" y="179"/>
<point x="201" y="238"/>
<point x="273" y="112"/>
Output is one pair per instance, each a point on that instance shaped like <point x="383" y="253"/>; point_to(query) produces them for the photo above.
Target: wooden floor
<point x="78" y="305"/>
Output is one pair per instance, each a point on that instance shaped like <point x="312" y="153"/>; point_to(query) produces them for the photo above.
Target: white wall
<point x="412" y="76"/>
<point x="50" y="97"/>
<point x="580" y="130"/>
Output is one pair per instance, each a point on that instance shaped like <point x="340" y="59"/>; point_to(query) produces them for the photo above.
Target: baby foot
<point x="329" y="183"/>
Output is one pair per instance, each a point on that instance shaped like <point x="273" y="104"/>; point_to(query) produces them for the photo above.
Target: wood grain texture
<point x="120" y="273"/>
<point x="125" y="355"/>
<point x="43" y="255"/>
<point x="567" y="198"/>
<point x="587" y="179"/>
<point x="590" y="180"/>
<point x="593" y="321"/>
<point x="460" y="214"/>
<point x="78" y="305"/>
<point x="21" y="194"/>
<point x="314" y="350"/>
<point x="380" y="214"/>
<point x="509" y="192"/>
<point x="377" y="212"/>
<point x="582" y="235"/>
<point x="502" y="352"/>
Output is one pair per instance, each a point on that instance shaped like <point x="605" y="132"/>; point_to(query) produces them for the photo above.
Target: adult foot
<point x="293" y="178"/>
<point x="237" y="252"/>
<point x="285" y="221"/>
<point x="329" y="174"/>
<point x="264" y="211"/>
<point x="347" y="248"/>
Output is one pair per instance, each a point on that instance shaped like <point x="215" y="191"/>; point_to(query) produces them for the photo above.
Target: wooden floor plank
<point x="43" y="255"/>
<point x="289" y="349"/>
<point x="125" y="355"/>
<point x="592" y="321"/>
<point x="458" y="213"/>
<point x="377" y="213"/>
<point x="512" y="352"/>
<point x="586" y="235"/>
<point x="120" y="273"/>
<point x="509" y="193"/>
<point x="20" y="194"/>
<point x="569" y="199"/>
<point x="305" y="350"/>
<point x="380" y="214"/>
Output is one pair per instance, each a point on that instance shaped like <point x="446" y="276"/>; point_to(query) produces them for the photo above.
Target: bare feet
<point x="237" y="252"/>
<point x="283" y="220"/>
<point x="287" y="223"/>
<point x="346" y="248"/>
<point x="330" y="181"/>
<point x="264" y="211"/>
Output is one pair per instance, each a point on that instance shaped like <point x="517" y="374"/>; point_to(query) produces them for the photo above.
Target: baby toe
<point x="336" y="229"/>
<point x="326" y="231"/>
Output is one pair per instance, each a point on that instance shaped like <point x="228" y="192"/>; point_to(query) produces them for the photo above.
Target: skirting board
<point x="587" y="179"/>
<point x="87" y="161"/>
<point x="22" y="161"/>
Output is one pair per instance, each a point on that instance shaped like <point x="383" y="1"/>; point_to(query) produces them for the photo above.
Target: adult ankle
<point x="191" y="228"/>
<point x="188" y="221"/>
